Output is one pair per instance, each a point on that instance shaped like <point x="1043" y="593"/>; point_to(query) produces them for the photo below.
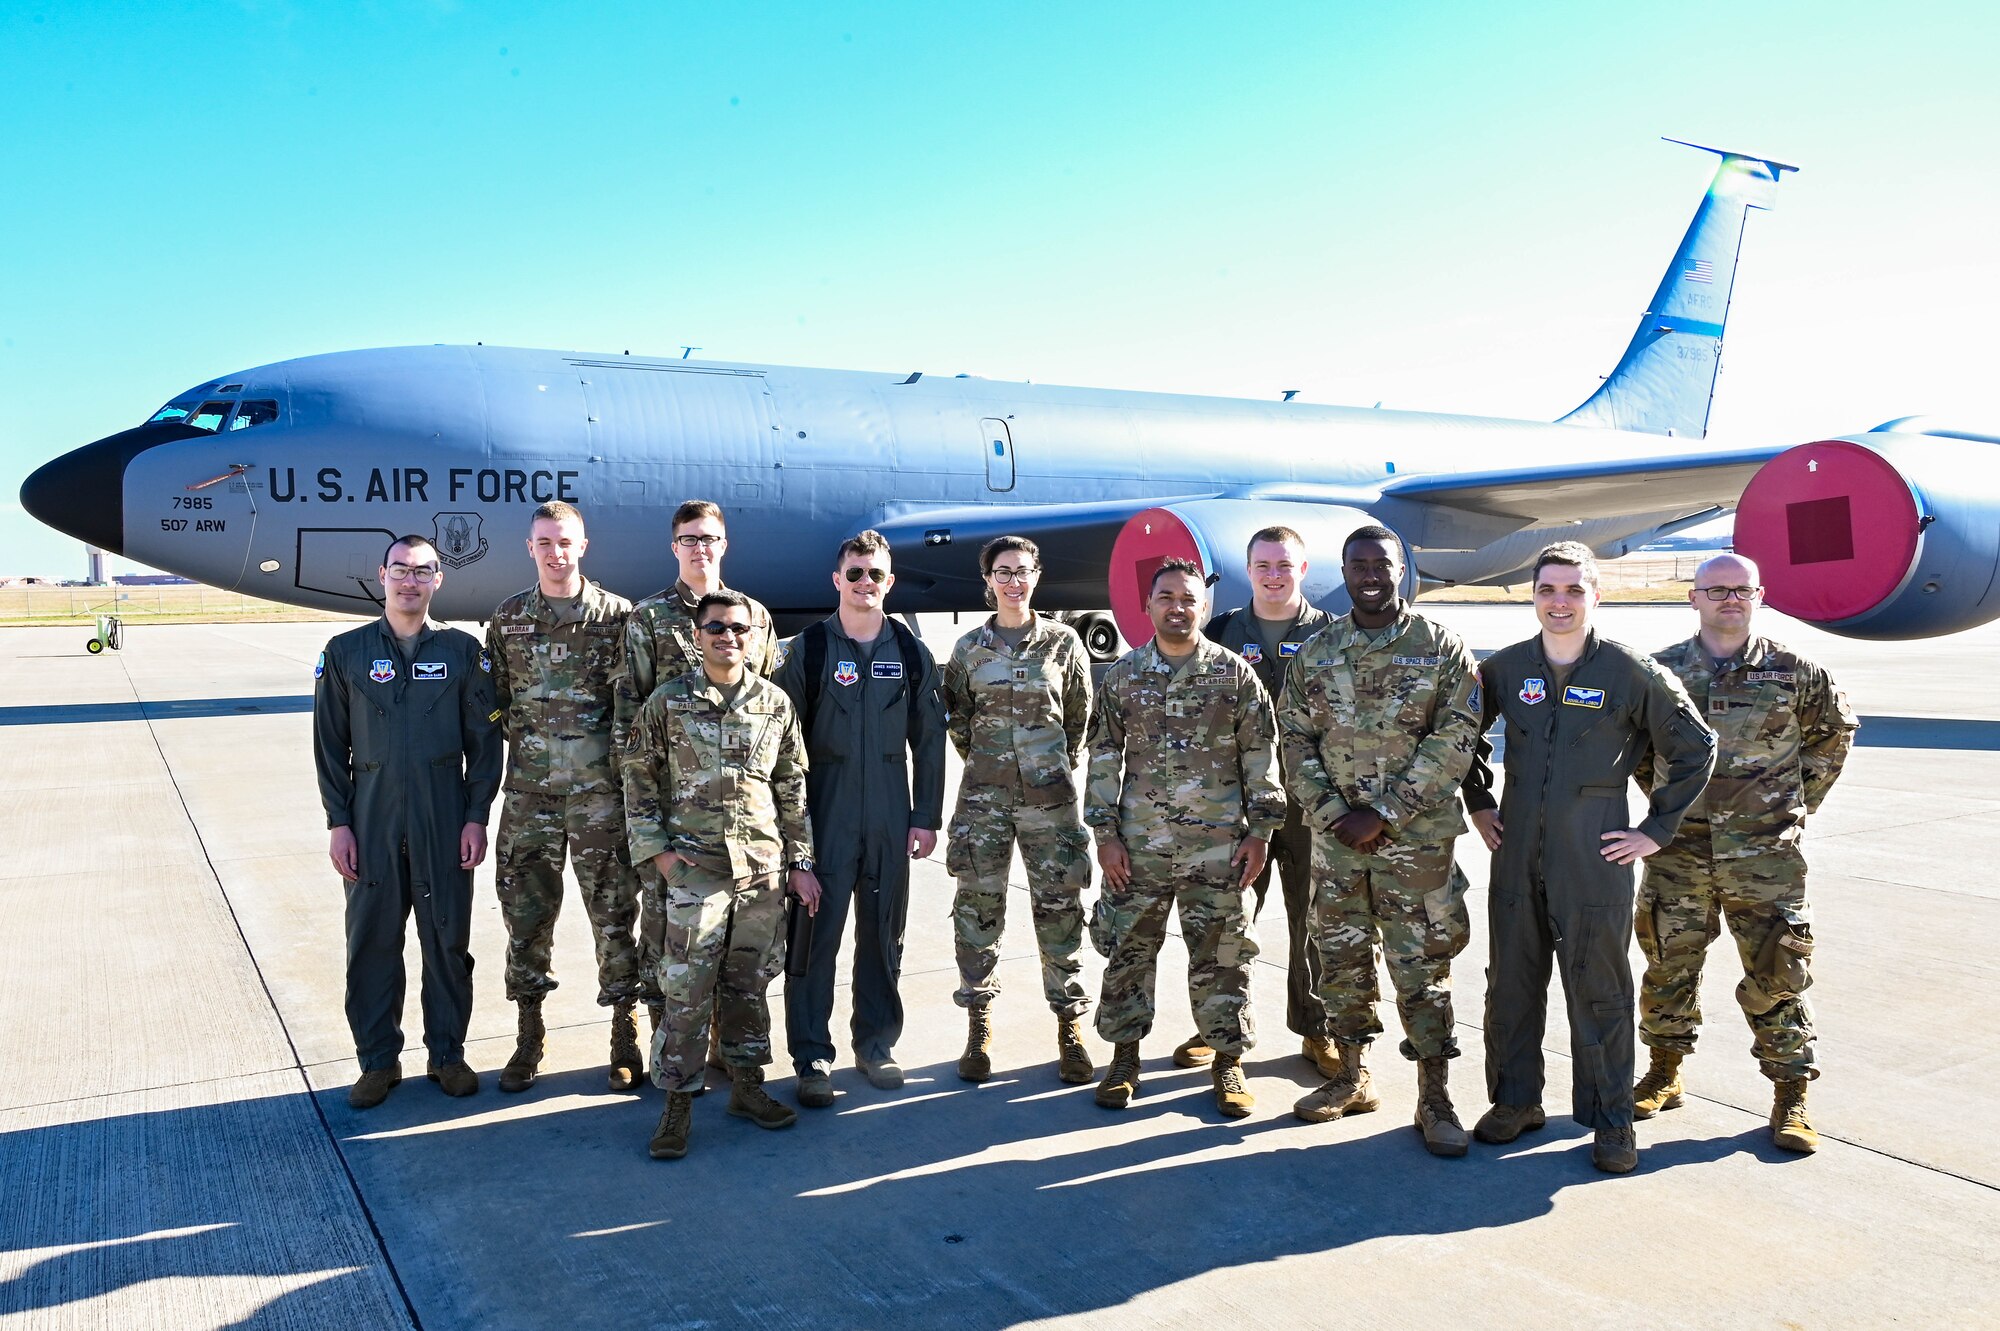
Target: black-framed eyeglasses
<point x="878" y="576"/>
<point x="1012" y="574"/>
<point x="1725" y="593"/>
<point x="421" y="573"/>
<point x="715" y="628"/>
<point x="704" y="542"/>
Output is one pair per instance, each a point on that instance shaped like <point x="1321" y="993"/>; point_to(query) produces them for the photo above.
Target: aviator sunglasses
<point x="878" y="576"/>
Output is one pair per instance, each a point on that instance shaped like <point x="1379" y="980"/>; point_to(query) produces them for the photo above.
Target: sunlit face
<point x="1175" y="609"/>
<point x="410" y="578"/>
<point x="862" y="580"/>
<point x="699" y="544"/>
<point x="556" y="545"/>
<point x="1276" y="569"/>
<point x="1732" y="615"/>
<point x="1563" y="599"/>
<point x="1373" y="571"/>
<point x="1012" y="579"/>
<point x="725" y="635"/>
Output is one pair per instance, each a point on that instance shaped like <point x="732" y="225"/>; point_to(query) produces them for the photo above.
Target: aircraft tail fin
<point x="1666" y="379"/>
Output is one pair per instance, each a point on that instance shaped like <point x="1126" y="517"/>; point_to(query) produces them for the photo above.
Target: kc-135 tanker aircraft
<point x="288" y="480"/>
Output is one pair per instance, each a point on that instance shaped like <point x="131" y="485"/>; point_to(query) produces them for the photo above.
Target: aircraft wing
<point x="1537" y="495"/>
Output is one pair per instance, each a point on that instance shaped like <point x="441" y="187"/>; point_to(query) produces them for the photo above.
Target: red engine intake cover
<point x="1833" y="528"/>
<point x="1147" y="539"/>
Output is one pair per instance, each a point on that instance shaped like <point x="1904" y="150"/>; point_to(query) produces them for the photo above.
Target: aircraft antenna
<point x="687" y="351"/>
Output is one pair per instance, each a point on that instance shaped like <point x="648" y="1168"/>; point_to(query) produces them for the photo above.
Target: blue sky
<point x="1451" y="207"/>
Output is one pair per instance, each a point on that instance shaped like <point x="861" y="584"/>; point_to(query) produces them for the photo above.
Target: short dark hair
<point x="721" y="597"/>
<point x="1000" y="545"/>
<point x="1574" y="554"/>
<point x="1176" y="564"/>
<point x="1273" y="535"/>
<point x="1372" y="532"/>
<point x="695" y="509"/>
<point x="412" y="541"/>
<point x="862" y="543"/>
<point x="555" y="511"/>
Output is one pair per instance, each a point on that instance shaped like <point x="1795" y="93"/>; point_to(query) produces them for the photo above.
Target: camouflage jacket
<point x="554" y="683"/>
<point x="1390" y="725"/>
<point x="1019" y="717"/>
<point x="1181" y="764"/>
<point x="1782" y="730"/>
<point x="660" y="643"/>
<point x="722" y="784"/>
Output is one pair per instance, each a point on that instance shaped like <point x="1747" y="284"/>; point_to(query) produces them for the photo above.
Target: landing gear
<point x="1099" y="633"/>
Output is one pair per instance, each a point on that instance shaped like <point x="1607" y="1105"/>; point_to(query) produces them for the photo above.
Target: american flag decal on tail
<point x="1700" y="270"/>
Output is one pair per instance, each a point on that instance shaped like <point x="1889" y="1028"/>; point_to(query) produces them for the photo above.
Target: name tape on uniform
<point x="1417" y="660"/>
<point x="1574" y="696"/>
<point x="1288" y="649"/>
<point x="428" y="670"/>
<point x="1772" y="676"/>
<point x="515" y="630"/>
<point x="886" y="669"/>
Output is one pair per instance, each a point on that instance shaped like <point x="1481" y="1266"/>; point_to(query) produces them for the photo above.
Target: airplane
<point x="289" y="480"/>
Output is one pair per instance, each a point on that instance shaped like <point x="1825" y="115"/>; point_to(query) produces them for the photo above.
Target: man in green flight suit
<point x="1581" y="713"/>
<point x="406" y="740"/>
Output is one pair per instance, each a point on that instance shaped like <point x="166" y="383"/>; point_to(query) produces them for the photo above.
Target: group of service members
<point x="724" y="799"/>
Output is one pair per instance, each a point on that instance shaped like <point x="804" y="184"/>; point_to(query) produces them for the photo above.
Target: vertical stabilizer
<point x="1665" y="381"/>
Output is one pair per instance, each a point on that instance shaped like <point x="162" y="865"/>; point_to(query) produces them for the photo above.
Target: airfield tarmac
<point x="176" y="1148"/>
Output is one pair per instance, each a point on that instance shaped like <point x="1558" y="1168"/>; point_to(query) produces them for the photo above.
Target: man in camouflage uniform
<point x="715" y="784"/>
<point x="1016" y="694"/>
<point x="1782" y="733"/>
<point x="1380" y="718"/>
<point x="555" y="648"/>
<point x="1268" y="634"/>
<point x="1183" y="798"/>
<point x="660" y="643"/>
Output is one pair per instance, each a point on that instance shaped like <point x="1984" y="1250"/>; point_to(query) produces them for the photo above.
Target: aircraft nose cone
<point x="82" y="492"/>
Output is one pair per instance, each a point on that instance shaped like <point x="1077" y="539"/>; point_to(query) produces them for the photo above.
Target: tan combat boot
<point x="628" y="1065"/>
<point x="1073" y="1063"/>
<point x="976" y="1063"/>
<point x="1436" y="1119"/>
<point x="519" y="1074"/>
<point x="1351" y="1092"/>
<point x="1121" y="1082"/>
<point x="1791" y="1130"/>
<point x="670" y="1139"/>
<point x="1661" y="1087"/>
<point x="1319" y="1051"/>
<point x="748" y="1099"/>
<point x="1232" y="1093"/>
<point x="1193" y="1052"/>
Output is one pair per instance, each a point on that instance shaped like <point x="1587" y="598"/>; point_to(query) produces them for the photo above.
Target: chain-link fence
<point x="51" y="604"/>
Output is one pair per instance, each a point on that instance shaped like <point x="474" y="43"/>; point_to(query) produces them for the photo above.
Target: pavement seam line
<point x="277" y="1014"/>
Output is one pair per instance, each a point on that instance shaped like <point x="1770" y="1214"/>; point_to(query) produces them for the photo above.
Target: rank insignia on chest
<point x="1718" y="706"/>
<point x="319" y="667"/>
<point x="1020" y="674"/>
<point x="428" y="670"/>
<point x="558" y="651"/>
<point x="1534" y="690"/>
<point x="1578" y="697"/>
<point x="845" y="673"/>
<point x="1287" y="650"/>
<point x="886" y="669"/>
<point x="1253" y="652"/>
<point x="382" y="672"/>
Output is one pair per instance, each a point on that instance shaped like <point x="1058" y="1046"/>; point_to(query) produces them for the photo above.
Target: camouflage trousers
<point x="535" y="830"/>
<point x="722" y="943"/>
<point x="1130" y="925"/>
<point x="1685" y="895"/>
<point x="1055" y="851"/>
<point x="1411" y="897"/>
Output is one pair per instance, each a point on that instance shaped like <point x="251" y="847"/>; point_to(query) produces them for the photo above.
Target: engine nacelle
<point x="1883" y="535"/>
<point x="1215" y="533"/>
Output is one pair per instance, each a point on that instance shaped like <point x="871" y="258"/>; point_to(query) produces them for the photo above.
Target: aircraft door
<point x="997" y="440"/>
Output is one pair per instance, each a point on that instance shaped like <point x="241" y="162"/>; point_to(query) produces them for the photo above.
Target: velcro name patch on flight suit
<point x="428" y="670"/>
<point x="886" y="669"/>
<point x="1577" y="696"/>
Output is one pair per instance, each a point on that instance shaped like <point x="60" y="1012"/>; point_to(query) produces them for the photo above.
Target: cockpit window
<point x="254" y="412"/>
<point x="173" y="411"/>
<point x="209" y="416"/>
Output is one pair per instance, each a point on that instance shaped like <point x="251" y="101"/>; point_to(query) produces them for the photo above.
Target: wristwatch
<point x="803" y="864"/>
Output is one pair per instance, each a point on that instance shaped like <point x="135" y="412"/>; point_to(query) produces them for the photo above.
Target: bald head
<point x="1726" y="571"/>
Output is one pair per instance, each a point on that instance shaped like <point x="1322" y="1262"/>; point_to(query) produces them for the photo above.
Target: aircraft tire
<point x="1100" y="636"/>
